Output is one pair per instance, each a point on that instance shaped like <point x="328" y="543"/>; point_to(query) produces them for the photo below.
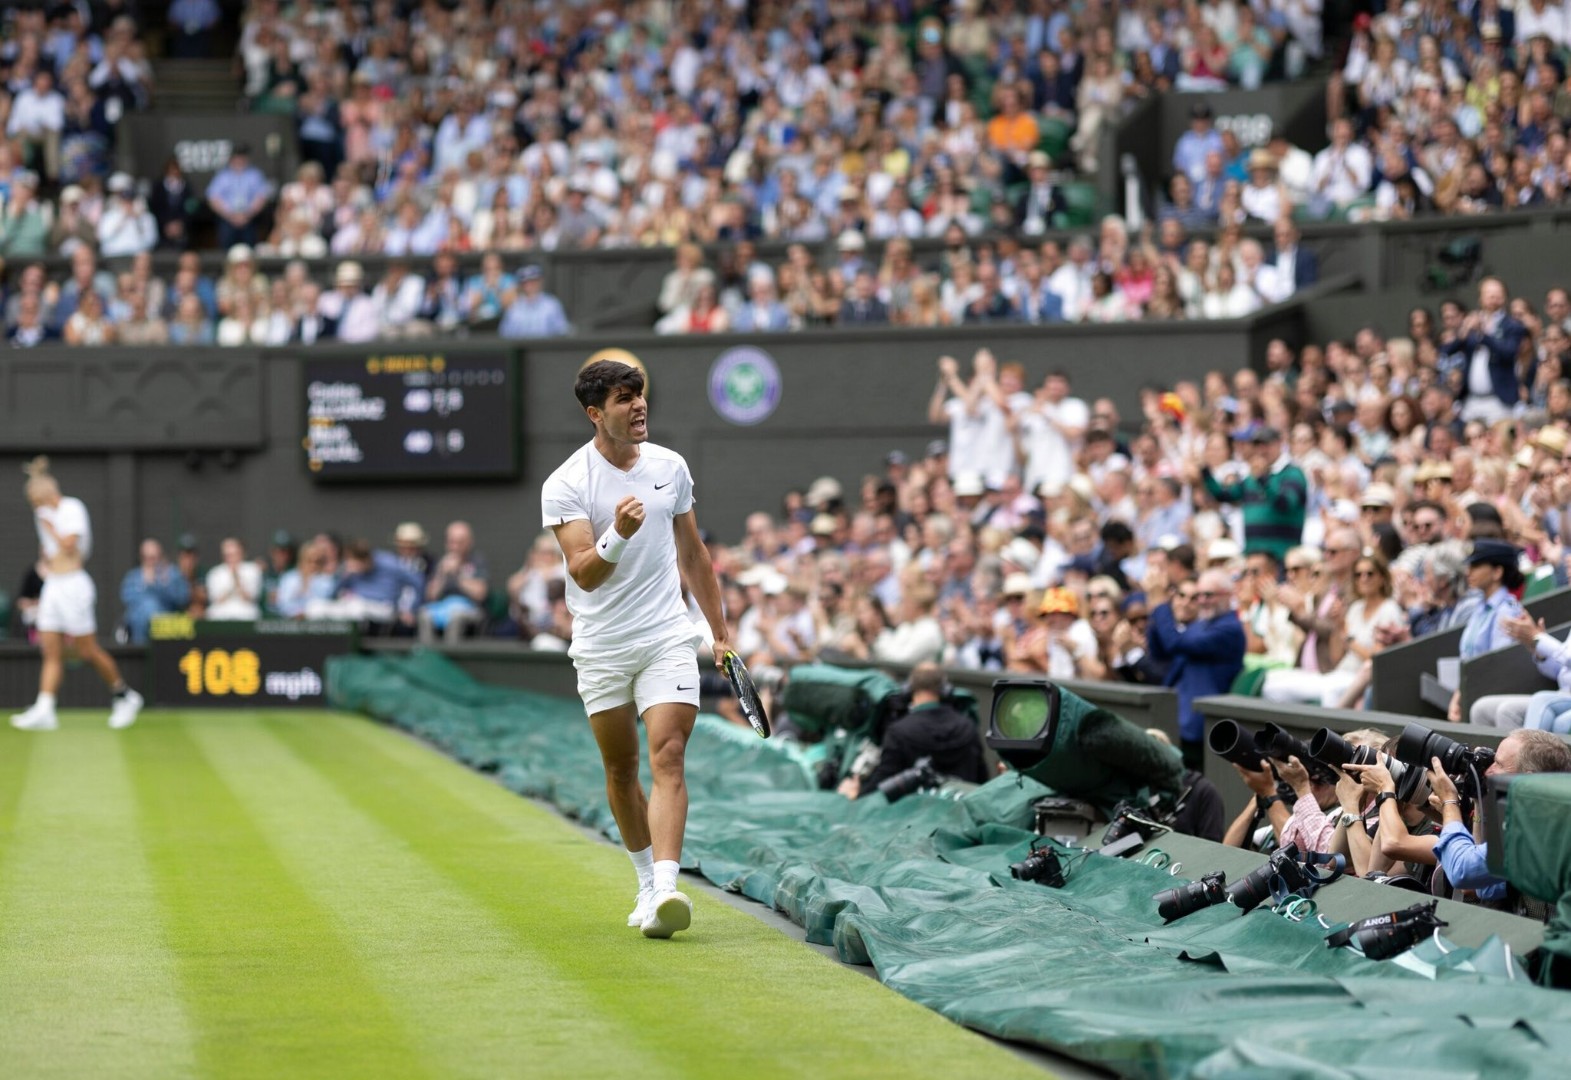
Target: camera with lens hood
<point x="1190" y="897"/>
<point x="1412" y="784"/>
<point x="1381" y="937"/>
<point x="919" y="777"/>
<point x="1285" y="873"/>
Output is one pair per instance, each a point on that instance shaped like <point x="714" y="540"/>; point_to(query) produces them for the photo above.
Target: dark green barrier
<point x="921" y="890"/>
<point x="1399" y="669"/>
<point x="1504" y="671"/>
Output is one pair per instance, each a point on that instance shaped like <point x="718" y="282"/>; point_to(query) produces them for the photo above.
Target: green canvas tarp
<point x="921" y="890"/>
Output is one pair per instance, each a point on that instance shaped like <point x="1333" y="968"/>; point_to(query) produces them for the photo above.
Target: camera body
<point x="1286" y="872"/>
<point x="1381" y="937"/>
<point x="1040" y="865"/>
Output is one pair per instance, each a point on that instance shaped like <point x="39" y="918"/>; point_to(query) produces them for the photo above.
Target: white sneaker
<point x="126" y="706"/>
<point x="641" y="905"/>
<point x="668" y="913"/>
<point x="38" y="718"/>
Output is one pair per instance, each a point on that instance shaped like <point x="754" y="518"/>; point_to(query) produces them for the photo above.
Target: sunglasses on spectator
<point x="1103" y="613"/>
<point x="1210" y="594"/>
<point x="1182" y="595"/>
<point x="1137" y="619"/>
<point x="1299" y="569"/>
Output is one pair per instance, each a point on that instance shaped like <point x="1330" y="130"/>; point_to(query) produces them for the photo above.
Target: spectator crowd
<point x="430" y="132"/>
<point x="402" y="587"/>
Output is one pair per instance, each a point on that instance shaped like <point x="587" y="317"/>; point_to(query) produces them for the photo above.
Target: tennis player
<point x="622" y="511"/>
<point x="65" y="607"/>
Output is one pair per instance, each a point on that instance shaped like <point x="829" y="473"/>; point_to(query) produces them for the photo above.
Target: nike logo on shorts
<point x="667" y="484"/>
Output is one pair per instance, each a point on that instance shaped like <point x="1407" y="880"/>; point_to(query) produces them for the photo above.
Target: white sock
<point x="46" y="701"/>
<point x="644" y="863"/>
<point x="665" y="875"/>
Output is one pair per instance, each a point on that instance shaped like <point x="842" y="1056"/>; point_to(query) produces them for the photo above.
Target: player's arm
<point x="70" y="543"/>
<point x="692" y="558"/>
<point x="591" y="561"/>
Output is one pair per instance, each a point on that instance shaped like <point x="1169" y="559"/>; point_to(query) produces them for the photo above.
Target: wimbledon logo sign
<point x="744" y="385"/>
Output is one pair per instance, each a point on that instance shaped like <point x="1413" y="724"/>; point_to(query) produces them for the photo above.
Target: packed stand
<point x="636" y="125"/>
<point x="1445" y="108"/>
<point x="407" y="584"/>
<point x="1159" y="273"/>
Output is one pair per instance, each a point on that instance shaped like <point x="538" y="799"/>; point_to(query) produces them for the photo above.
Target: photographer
<point x="1461" y="856"/>
<point x="1399" y="832"/>
<point x="1314" y="820"/>
<point x="931" y="729"/>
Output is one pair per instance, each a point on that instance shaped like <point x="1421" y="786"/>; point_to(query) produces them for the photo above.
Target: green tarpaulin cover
<point x="921" y="890"/>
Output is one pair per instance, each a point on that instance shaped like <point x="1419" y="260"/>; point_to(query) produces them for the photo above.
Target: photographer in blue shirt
<point x="1464" y="859"/>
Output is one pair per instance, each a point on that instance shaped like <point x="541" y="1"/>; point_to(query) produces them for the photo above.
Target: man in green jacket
<point x="1273" y="496"/>
<point x="24" y="233"/>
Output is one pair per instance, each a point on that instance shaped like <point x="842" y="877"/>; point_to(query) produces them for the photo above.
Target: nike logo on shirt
<point x="684" y="687"/>
<point x="667" y="484"/>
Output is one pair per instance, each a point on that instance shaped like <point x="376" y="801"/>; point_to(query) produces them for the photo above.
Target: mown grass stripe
<point x="475" y="995"/>
<point x="272" y="987"/>
<point x="87" y="981"/>
<point x="730" y="998"/>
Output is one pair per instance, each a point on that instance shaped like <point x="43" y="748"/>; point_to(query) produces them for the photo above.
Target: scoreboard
<point x="408" y="416"/>
<point x="263" y="664"/>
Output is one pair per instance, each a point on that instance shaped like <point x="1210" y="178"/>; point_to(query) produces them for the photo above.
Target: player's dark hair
<point x="358" y="549"/>
<point x="596" y="382"/>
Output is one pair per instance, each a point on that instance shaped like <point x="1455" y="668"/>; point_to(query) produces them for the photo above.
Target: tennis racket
<point x="746" y="694"/>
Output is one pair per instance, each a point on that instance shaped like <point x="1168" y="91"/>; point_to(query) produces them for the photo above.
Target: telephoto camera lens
<point x="918" y="777"/>
<point x="1273" y="742"/>
<point x="1331" y="749"/>
<point x="1231" y="741"/>
<point x="1041" y="866"/>
<point x="1189" y="898"/>
<point x="1327" y="746"/>
<point x="1417" y="744"/>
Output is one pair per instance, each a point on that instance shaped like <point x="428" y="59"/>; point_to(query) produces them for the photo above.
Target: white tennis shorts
<point x="66" y="605"/>
<point x="665" y="670"/>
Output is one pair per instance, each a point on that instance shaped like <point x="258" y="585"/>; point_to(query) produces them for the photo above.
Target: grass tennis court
<point x="310" y="894"/>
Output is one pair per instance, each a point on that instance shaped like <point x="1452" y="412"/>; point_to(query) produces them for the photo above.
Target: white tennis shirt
<point x="642" y="599"/>
<point x="69" y="519"/>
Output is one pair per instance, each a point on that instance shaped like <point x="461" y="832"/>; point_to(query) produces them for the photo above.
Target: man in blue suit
<point x="1293" y="266"/>
<point x="1200" y="635"/>
<point x="1491" y="340"/>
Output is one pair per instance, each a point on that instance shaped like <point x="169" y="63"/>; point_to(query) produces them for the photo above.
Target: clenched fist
<point x="629" y="516"/>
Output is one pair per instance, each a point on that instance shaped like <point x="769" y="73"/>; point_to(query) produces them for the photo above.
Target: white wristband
<point x="609" y="546"/>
